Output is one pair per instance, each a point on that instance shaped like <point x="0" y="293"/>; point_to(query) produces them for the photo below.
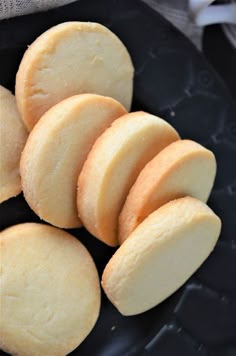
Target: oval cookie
<point x="72" y="58"/>
<point x="50" y="292"/>
<point x="13" y="136"/>
<point x="184" y="168"/>
<point x="113" y="165"/>
<point x="160" y="255"/>
<point x="56" y="150"/>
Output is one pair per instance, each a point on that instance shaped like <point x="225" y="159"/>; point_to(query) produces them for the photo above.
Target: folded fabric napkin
<point x="11" y="8"/>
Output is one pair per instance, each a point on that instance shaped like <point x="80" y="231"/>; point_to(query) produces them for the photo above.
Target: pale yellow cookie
<point x="50" y="291"/>
<point x="72" y="58"/>
<point x="13" y="136"/>
<point x="112" y="167"/>
<point x="182" y="168"/>
<point x="160" y="255"/>
<point x="55" y="153"/>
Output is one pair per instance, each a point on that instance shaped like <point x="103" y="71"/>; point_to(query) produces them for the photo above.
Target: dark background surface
<point x="172" y="80"/>
<point x="221" y="54"/>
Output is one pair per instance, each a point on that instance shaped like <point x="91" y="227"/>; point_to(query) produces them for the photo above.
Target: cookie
<point x="68" y="59"/>
<point x="183" y="168"/>
<point x="160" y="255"/>
<point x="56" y="150"/>
<point x="13" y="136"/>
<point x="50" y="291"/>
<point x="112" y="167"/>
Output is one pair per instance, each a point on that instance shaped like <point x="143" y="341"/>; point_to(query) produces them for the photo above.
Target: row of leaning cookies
<point x="88" y="160"/>
<point x="144" y="188"/>
<point x="50" y="290"/>
<point x="109" y="170"/>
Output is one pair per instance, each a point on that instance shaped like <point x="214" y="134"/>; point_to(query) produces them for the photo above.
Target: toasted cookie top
<point x="56" y="150"/>
<point x="72" y="58"/>
<point x="50" y="293"/>
<point x="13" y="136"/>
<point x="182" y="168"/>
<point x="112" y="167"/>
<point x="160" y="255"/>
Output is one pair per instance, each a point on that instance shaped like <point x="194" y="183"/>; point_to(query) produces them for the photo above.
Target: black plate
<point x="174" y="81"/>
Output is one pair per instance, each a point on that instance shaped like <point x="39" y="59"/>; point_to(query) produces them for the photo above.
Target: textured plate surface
<point x="174" y="81"/>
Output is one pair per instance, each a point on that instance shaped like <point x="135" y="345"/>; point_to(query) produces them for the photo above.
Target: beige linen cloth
<point x="10" y="8"/>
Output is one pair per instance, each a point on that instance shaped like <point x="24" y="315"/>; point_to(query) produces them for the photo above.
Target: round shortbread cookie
<point x="13" y="136"/>
<point x="160" y="255"/>
<point x="112" y="167"/>
<point x="55" y="153"/>
<point x="184" y="168"/>
<point x="68" y="59"/>
<point x="50" y="291"/>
